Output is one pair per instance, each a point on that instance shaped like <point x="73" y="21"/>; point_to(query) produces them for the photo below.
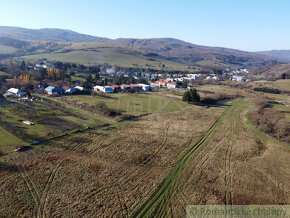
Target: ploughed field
<point x="149" y="166"/>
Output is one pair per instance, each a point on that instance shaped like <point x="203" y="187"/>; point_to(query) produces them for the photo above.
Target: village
<point x="135" y="81"/>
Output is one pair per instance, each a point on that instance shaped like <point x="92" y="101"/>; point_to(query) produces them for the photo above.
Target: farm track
<point x="158" y="201"/>
<point x="228" y="168"/>
<point x="44" y="198"/>
<point x="162" y="143"/>
<point x="6" y="180"/>
<point x="39" y="209"/>
<point x="31" y="190"/>
<point x="93" y="152"/>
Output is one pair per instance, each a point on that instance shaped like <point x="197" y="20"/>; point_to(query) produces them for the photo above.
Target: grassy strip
<point x="79" y="111"/>
<point x="158" y="201"/>
<point x="8" y="141"/>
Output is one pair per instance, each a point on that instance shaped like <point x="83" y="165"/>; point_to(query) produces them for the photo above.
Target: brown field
<point x="193" y="155"/>
<point x="58" y="124"/>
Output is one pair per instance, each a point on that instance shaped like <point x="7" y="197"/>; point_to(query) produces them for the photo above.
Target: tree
<point x="23" y="66"/>
<point x="191" y="96"/>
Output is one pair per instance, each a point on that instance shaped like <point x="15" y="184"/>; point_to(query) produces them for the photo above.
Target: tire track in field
<point x="41" y="212"/>
<point x="159" y="199"/>
<point x="6" y="180"/>
<point x="228" y="177"/>
<point x="30" y="189"/>
<point x="162" y="143"/>
<point x="102" y="142"/>
<point x="200" y="160"/>
<point x="44" y="197"/>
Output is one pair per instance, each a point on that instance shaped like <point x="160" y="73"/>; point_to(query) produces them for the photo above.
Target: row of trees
<point x="23" y="79"/>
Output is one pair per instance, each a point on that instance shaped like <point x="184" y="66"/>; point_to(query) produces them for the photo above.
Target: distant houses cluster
<point x="66" y="90"/>
<point x="123" y="87"/>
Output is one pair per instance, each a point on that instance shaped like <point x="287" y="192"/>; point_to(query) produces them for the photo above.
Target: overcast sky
<point x="250" y="25"/>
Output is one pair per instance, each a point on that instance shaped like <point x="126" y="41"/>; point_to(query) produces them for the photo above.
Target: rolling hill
<point x="92" y="53"/>
<point x="47" y="34"/>
<point x="283" y="54"/>
<point x="66" y="45"/>
<point x="197" y="54"/>
<point x="272" y="71"/>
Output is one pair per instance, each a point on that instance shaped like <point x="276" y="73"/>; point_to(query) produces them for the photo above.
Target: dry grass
<point x="103" y="172"/>
<point x="111" y="172"/>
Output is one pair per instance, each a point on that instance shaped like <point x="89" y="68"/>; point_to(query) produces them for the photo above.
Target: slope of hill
<point x="283" y="54"/>
<point x="92" y="53"/>
<point x="7" y="50"/>
<point x="47" y="34"/>
<point x="55" y="44"/>
<point x="276" y="71"/>
<point x="196" y="54"/>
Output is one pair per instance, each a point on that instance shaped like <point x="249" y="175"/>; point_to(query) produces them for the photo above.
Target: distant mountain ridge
<point x="283" y="54"/>
<point x="47" y="34"/>
<point x="191" y="53"/>
<point x="168" y="48"/>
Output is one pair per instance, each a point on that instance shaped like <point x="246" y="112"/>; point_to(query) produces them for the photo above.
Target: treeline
<point x="267" y="90"/>
<point x="270" y="121"/>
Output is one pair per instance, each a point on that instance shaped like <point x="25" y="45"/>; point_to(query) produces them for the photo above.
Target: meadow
<point x="7" y="50"/>
<point x="101" y="53"/>
<point x="150" y="166"/>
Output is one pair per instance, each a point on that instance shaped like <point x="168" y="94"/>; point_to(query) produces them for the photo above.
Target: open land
<point x="153" y="165"/>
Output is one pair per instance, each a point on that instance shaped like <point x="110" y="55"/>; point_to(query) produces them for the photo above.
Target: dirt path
<point x="159" y="201"/>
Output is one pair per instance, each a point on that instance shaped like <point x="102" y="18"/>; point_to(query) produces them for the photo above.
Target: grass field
<point x="7" y="50"/>
<point x="153" y="166"/>
<point x="134" y="104"/>
<point x="9" y="141"/>
<point x="113" y="54"/>
<point x="283" y="85"/>
<point x="50" y="120"/>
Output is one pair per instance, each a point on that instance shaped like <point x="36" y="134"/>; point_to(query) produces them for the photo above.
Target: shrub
<point x="191" y="96"/>
<point x="267" y="90"/>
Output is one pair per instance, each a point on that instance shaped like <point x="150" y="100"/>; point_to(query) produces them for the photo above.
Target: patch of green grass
<point x="13" y="116"/>
<point x="134" y="104"/>
<point x="74" y="78"/>
<point x="92" y="119"/>
<point x="7" y="50"/>
<point x="8" y="141"/>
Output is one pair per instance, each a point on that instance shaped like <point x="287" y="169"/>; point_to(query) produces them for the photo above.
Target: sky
<point x="250" y="25"/>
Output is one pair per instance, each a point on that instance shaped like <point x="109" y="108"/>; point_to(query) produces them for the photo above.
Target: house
<point x="125" y="87"/>
<point x="66" y="88"/>
<point x="155" y="85"/>
<point x="71" y="91"/>
<point x="39" y="88"/>
<point x="14" y="92"/>
<point x="162" y="82"/>
<point x="107" y="89"/>
<point x="145" y="87"/>
<point x="116" y="88"/>
<point x="136" y="87"/>
<point x="49" y="88"/>
<point x="55" y="91"/>
<point x="98" y="88"/>
<point x="172" y="86"/>
<point x="238" y="78"/>
<point x="80" y="88"/>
